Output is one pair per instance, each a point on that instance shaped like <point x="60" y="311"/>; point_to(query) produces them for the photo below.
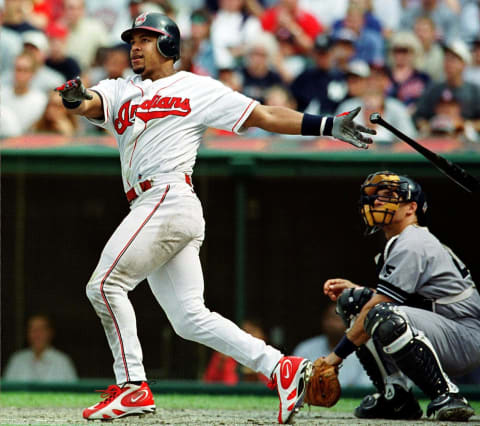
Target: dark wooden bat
<point x="451" y="170"/>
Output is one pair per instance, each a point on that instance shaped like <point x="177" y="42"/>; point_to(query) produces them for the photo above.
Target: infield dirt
<point x="72" y="416"/>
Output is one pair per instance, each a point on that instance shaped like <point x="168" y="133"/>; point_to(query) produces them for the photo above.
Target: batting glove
<point x="345" y="129"/>
<point x="73" y="92"/>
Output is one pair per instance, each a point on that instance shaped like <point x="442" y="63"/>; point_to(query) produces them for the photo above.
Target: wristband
<point x="316" y="125"/>
<point x="345" y="347"/>
<point x="71" y="105"/>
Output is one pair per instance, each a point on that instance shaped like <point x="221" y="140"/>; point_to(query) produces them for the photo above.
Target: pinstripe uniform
<point x="436" y="292"/>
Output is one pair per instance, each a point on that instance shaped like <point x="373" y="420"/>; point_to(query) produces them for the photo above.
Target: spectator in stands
<point x="431" y="57"/>
<point x="124" y="19"/>
<point x="373" y="100"/>
<point x="11" y="45"/>
<point x="295" y="30"/>
<point x="446" y="21"/>
<point x="457" y="57"/>
<point x="448" y="121"/>
<point x="40" y="362"/>
<point x="369" y="44"/>
<point x="56" y="119"/>
<point x="9" y="122"/>
<point x="470" y="21"/>
<point x="57" y="58"/>
<point x="371" y="21"/>
<point x="358" y="72"/>
<point x="332" y="329"/>
<point x="201" y="59"/>
<point x="15" y="16"/>
<point x="231" y="31"/>
<point x="114" y="63"/>
<point x="27" y="103"/>
<point x="311" y="87"/>
<point x="258" y="73"/>
<point x="388" y="13"/>
<point x="86" y="34"/>
<point x="45" y="78"/>
<point x="292" y="25"/>
<point x="326" y="12"/>
<point x="343" y="50"/>
<point x="408" y="83"/>
<point x="472" y="71"/>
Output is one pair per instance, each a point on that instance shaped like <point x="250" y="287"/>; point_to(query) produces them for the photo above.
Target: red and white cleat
<point x="290" y="378"/>
<point x="122" y="401"/>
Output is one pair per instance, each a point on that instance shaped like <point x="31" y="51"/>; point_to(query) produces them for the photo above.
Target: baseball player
<point x="422" y="324"/>
<point x="158" y="117"/>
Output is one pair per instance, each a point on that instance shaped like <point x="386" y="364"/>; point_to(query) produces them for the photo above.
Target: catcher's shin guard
<point x="371" y="365"/>
<point x="412" y="351"/>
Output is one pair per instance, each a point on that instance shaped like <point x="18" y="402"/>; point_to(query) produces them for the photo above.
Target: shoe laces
<point x="110" y="393"/>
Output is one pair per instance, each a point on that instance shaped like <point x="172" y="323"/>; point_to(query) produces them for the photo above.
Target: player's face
<point x="144" y="55"/>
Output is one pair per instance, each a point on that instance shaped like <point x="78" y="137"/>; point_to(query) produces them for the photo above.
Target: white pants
<point x="160" y="240"/>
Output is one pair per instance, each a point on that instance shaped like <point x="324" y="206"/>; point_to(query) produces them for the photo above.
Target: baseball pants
<point x="159" y="240"/>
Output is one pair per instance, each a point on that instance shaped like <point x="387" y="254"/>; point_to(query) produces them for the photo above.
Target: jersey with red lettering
<point x="159" y="124"/>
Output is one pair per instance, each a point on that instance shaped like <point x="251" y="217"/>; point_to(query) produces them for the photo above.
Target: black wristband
<point x="316" y="125"/>
<point x="344" y="348"/>
<point x="71" y="105"/>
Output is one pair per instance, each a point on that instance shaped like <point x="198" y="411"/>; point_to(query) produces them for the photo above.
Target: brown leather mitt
<point x="323" y="387"/>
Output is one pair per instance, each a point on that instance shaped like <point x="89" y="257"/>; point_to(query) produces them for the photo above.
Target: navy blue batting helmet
<point x="168" y="40"/>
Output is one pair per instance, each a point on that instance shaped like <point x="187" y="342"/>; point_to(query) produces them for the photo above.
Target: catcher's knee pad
<point x="387" y="325"/>
<point x="351" y="302"/>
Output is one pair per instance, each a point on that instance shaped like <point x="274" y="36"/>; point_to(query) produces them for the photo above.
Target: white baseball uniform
<point x="158" y="126"/>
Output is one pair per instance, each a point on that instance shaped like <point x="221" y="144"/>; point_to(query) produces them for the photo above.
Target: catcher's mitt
<point x="323" y="387"/>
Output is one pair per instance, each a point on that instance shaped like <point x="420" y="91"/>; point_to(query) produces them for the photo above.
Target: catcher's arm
<point x="334" y="287"/>
<point x="356" y="334"/>
<point x="80" y="100"/>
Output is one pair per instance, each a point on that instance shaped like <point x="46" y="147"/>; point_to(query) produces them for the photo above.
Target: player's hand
<point x="334" y="287"/>
<point x="345" y="129"/>
<point x="73" y="91"/>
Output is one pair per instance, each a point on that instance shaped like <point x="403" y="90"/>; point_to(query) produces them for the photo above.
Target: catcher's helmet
<point x="403" y="190"/>
<point x="168" y="40"/>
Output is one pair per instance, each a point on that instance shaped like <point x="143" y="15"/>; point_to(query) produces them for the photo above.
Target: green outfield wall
<point x="281" y="219"/>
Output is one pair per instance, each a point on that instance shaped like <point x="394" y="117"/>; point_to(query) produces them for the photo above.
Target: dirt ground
<point x="72" y="416"/>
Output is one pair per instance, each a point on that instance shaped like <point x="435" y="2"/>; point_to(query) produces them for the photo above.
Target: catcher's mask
<point x="168" y="34"/>
<point x="399" y="189"/>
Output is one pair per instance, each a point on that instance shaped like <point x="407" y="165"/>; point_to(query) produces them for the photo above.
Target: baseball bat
<point x="449" y="169"/>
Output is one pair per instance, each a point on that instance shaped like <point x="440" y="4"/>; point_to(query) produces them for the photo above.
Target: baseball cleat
<point x="122" y="401"/>
<point x="403" y="406"/>
<point x="290" y="377"/>
<point x="450" y="407"/>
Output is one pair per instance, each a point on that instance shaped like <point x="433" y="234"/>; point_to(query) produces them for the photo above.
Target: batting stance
<point x="158" y="118"/>
<point x="422" y="324"/>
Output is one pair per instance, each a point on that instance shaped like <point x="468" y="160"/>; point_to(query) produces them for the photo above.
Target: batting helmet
<point x="403" y="190"/>
<point x="168" y="40"/>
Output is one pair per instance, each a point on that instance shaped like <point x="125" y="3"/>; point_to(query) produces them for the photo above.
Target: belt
<point x="141" y="187"/>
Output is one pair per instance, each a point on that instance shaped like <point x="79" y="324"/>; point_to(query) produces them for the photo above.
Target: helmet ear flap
<point x="167" y="46"/>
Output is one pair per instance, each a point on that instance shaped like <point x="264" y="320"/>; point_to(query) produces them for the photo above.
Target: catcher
<point x="422" y="324"/>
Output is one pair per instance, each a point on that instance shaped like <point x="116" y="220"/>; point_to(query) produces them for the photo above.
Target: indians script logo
<point x="157" y="107"/>
<point x="141" y="19"/>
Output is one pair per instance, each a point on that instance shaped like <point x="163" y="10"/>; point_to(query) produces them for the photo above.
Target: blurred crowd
<point x="417" y="62"/>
